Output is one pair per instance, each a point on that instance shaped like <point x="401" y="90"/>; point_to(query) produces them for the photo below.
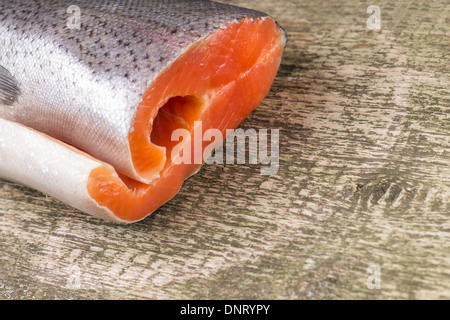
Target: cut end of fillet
<point x="218" y="80"/>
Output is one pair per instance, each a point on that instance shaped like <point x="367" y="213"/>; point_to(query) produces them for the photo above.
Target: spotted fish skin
<point x="82" y="86"/>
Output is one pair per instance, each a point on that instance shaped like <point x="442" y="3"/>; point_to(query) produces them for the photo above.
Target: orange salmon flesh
<point x="219" y="80"/>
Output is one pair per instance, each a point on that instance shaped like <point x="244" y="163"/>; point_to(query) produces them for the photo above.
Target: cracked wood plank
<point x="364" y="180"/>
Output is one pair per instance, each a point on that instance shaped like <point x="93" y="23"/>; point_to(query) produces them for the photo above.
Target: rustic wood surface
<point x="364" y="180"/>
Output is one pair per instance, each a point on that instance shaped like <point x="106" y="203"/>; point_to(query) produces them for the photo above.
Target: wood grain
<point x="364" y="180"/>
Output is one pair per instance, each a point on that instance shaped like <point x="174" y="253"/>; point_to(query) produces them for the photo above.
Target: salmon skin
<point x="90" y="94"/>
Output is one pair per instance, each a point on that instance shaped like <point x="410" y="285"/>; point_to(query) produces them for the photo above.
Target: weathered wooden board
<point x="364" y="180"/>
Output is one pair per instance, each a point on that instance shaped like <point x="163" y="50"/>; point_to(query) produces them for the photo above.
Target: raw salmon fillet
<point x="87" y="113"/>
